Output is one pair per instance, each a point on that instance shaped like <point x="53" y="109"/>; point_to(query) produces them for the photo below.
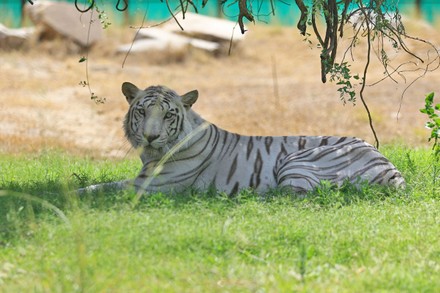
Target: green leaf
<point x="437" y="107"/>
<point x="429" y="124"/>
<point x="429" y="98"/>
<point x="82" y="59"/>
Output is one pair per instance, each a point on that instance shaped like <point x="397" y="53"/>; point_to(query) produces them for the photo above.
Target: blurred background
<point x="286" y="13"/>
<point x="61" y="73"/>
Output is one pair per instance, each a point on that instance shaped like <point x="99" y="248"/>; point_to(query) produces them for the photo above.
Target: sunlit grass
<point x="350" y="241"/>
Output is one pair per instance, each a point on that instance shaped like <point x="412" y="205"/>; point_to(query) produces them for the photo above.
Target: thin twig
<point x="351" y="46"/>
<point x="395" y="70"/>
<point x="426" y="70"/>
<point x="232" y="39"/>
<point x="361" y="92"/>
<point x="193" y="5"/>
<point x="183" y="8"/>
<point x="272" y="7"/>
<point x="92" y="94"/>
<point x="173" y="15"/>
<point x="150" y="26"/>
<point x="134" y="38"/>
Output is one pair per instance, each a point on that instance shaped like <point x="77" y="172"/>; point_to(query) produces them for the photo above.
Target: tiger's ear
<point x="130" y="91"/>
<point x="190" y="98"/>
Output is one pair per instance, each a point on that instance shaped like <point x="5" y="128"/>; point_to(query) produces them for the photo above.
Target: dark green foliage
<point x="434" y="125"/>
<point x="434" y="122"/>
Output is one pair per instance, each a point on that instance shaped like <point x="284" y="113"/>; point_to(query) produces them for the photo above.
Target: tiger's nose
<point x="152" y="137"/>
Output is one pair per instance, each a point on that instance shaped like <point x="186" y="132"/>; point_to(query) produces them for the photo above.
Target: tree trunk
<point x="418" y="8"/>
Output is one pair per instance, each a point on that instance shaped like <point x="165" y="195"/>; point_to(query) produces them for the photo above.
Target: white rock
<point x="205" y="27"/>
<point x="64" y="19"/>
<point x="159" y="39"/>
<point x="13" y="38"/>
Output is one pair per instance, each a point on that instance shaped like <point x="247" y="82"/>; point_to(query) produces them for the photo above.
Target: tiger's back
<point x="256" y="161"/>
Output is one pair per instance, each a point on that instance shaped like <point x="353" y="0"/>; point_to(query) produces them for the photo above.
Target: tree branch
<point x="244" y="12"/>
<point x="172" y="14"/>
<point x="302" y="23"/>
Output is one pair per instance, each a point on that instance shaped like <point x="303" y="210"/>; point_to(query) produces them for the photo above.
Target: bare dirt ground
<point x="270" y="85"/>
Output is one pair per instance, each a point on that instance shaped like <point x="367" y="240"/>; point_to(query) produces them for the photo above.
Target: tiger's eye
<point x="168" y="115"/>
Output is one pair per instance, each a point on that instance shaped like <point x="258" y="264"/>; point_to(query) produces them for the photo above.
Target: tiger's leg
<point x="118" y="185"/>
<point x="353" y="161"/>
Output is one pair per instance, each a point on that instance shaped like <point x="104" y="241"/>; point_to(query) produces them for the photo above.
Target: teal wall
<point x="286" y="12"/>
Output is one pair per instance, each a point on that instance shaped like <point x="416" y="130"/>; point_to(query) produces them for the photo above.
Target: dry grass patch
<point x="270" y="85"/>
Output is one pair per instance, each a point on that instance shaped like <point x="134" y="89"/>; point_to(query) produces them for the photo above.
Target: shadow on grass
<point x="24" y="205"/>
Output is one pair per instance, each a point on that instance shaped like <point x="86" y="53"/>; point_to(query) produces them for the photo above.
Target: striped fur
<point x="181" y="150"/>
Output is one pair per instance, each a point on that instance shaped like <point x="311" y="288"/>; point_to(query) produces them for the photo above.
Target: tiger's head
<point x="156" y="119"/>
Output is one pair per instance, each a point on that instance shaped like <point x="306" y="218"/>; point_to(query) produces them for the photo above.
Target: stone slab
<point x="159" y="39"/>
<point x="13" y="38"/>
<point x="205" y="27"/>
<point x="63" y="18"/>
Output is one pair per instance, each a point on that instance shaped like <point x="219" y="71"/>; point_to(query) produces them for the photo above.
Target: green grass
<point x="372" y="240"/>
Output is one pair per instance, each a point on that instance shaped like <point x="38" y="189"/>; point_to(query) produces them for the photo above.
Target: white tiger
<point x="181" y="150"/>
